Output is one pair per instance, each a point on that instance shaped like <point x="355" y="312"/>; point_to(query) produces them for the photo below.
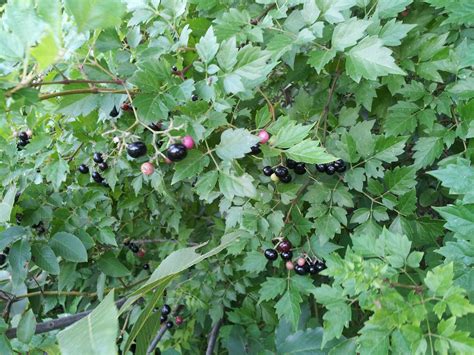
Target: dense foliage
<point x="143" y="146"/>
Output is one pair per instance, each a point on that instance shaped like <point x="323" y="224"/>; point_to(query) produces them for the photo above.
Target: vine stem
<point x="81" y="91"/>
<point x="156" y="339"/>
<point x="213" y="337"/>
<point x="76" y="81"/>
<point x="295" y="200"/>
<point x="325" y="113"/>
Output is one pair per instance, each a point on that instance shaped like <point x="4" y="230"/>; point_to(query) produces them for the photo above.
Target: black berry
<point x="165" y="310"/>
<point x="194" y="97"/>
<point x="255" y="149"/>
<point x="176" y="152"/>
<point x="330" y="169"/>
<point x="103" y="166"/>
<point x="146" y="267"/>
<point x="271" y="254"/>
<point x="136" y="149"/>
<point x="338" y="163"/>
<point x="22" y="143"/>
<point x="83" y="169"/>
<point x="98" y="158"/>
<point x="134" y="248"/>
<point x="114" y="112"/>
<point x="300" y="168"/>
<point x="3" y="258"/>
<point x="313" y="270"/>
<point x="321" y="168"/>
<point x="163" y="318"/>
<point x="300" y="270"/>
<point x="290" y="163"/>
<point x="284" y="246"/>
<point x="174" y="68"/>
<point x="169" y="324"/>
<point x="285" y="179"/>
<point x="97" y="177"/>
<point x="267" y="171"/>
<point x="320" y="265"/>
<point x="341" y="168"/>
<point x="281" y="171"/>
<point x="287" y="255"/>
<point x="23" y="136"/>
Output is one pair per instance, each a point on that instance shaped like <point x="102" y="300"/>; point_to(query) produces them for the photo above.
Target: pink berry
<point x="188" y="142"/>
<point x="289" y="265"/>
<point x="179" y="320"/>
<point x="301" y="261"/>
<point x="264" y="136"/>
<point x="141" y="253"/>
<point x="147" y="168"/>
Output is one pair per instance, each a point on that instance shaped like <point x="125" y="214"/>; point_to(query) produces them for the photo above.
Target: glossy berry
<point x="289" y="265"/>
<point x="300" y="168"/>
<point x="321" y="168"/>
<point x="301" y="261"/>
<point x="290" y="163"/>
<point x="286" y="255"/>
<point x="134" y="248"/>
<point x="330" y="170"/>
<point x="179" y="320"/>
<point x="176" y="152"/>
<point x="103" y="166"/>
<point x="126" y="106"/>
<point x="146" y="267"/>
<point x="165" y="310"/>
<point x="271" y="254"/>
<point x="274" y="177"/>
<point x="83" y="169"/>
<point x="23" y="136"/>
<point x="169" y="324"/>
<point x="338" y="163"/>
<point x="267" y="171"/>
<point x="147" y="168"/>
<point x="284" y="246"/>
<point x="264" y="136"/>
<point x="320" y="265"/>
<point x="3" y="258"/>
<point x="174" y="68"/>
<point x="22" y="143"/>
<point x="136" y="149"/>
<point x="97" y="177"/>
<point x="286" y="179"/>
<point x="255" y="149"/>
<point x="114" y="112"/>
<point x="98" y="158"/>
<point x="300" y="270"/>
<point x="163" y="318"/>
<point x="312" y="269"/>
<point x="281" y="171"/>
<point x="188" y="142"/>
<point x="194" y="98"/>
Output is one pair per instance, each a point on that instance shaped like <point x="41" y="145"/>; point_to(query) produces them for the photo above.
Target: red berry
<point x="289" y="265"/>
<point x="405" y="13"/>
<point x="188" y="142"/>
<point x="264" y="136"/>
<point x="179" y="320"/>
<point x="301" y="261"/>
<point x="284" y="246"/>
<point x="147" y="168"/>
<point x="141" y="253"/>
<point x="126" y="106"/>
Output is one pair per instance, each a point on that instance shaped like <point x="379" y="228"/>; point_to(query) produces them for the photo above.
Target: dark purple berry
<point x="174" y="68"/>
<point x="290" y="163"/>
<point x="338" y="163"/>
<point x="330" y="169"/>
<point x="284" y="246"/>
<point x="321" y="168"/>
<point x="103" y="166"/>
<point x="169" y="324"/>
<point x="255" y="149"/>
<point x="134" y="248"/>
<point x="165" y="310"/>
<point x="281" y="171"/>
<point x="176" y="152"/>
<point x="271" y="254"/>
<point x="97" y="177"/>
<point x="163" y="318"/>
<point x="98" y="158"/>
<point x="300" y="270"/>
<point x="285" y="179"/>
<point x="146" y="267"/>
<point x="23" y="136"/>
<point x="136" y="149"/>
<point x="267" y="171"/>
<point x="155" y="126"/>
<point x="313" y="270"/>
<point x="341" y="168"/>
<point x="83" y="169"/>
<point x="320" y="265"/>
<point x="300" y="168"/>
<point x="22" y="143"/>
<point x="194" y="98"/>
<point x="287" y="255"/>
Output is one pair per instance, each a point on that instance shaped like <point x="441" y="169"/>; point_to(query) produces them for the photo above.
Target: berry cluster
<point x="302" y="266"/>
<point x="24" y="139"/>
<point x="264" y="137"/>
<point x="165" y="312"/>
<point x="102" y="165"/>
<point x="331" y="168"/>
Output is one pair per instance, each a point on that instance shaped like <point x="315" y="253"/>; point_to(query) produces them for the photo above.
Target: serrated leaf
<point x="207" y="47"/>
<point x="319" y="58"/>
<point x="95" y="14"/>
<point x="232" y="185"/>
<point x="401" y="179"/>
<point x="308" y="151"/>
<point x="288" y="307"/>
<point x="254" y="262"/>
<point x="271" y="288"/>
<point x="193" y="165"/>
<point x="235" y="143"/>
<point x="347" y="33"/>
<point x="45" y="258"/>
<point x="391" y="8"/>
<point x="427" y="149"/>
<point x="69" y="247"/>
<point x="290" y="134"/>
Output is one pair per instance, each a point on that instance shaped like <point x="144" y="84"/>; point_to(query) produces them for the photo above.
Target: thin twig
<point x="76" y="81"/>
<point x="213" y="337"/>
<point x="295" y="200"/>
<point x="257" y="19"/>
<point x="325" y="113"/>
<point x="156" y="339"/>
<point x="81" y="91"/>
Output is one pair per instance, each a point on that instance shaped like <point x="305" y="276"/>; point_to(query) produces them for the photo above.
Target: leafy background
<point x="386" y="85"/>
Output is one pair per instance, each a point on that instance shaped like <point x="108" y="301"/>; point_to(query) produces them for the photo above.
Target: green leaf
<point x="459" y="219"/>
<point x="111" y="266"/>
<point x="69" y="247"/>
<point x="391" y="8"/>
<point x="347" y="33"/>
<point x="150" y="106"/>
<point x="304" y="342"/>
<point x="46" y="52"/>
<point x="440" y="279"/>
<point x="272" y="288"/>
<point x="370" y="59"/>
<point x="231" y="185"/>
<point x="235" y="143"/>
<point x="45" y="258"/>
<point x="94" y="334"/>
<point x="393" y="31"/>
<point x="193" y="165"/>
<point x="288" y="307"/>
<point x="227" y="56"/>
<point x="26" y="327"/>
<point x="290" y="134"/>
<point x="401" y="179"/>
<point x="400" y="118"/>
<point x="206" y="183"/>
<point x="254" y="262"/>
<point x="56" y="172"/>
<point x="207" y="46"/>
<point x="95" y="14"/>
<point x="427" y="149"/>
<point x="19" y="257"/>
<point x="459" y="178"/>
<point x="6" y="205"/>
<point x="319" y="58"/>
<point x="308" y="151"/>
<point x="336" y="318"/>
